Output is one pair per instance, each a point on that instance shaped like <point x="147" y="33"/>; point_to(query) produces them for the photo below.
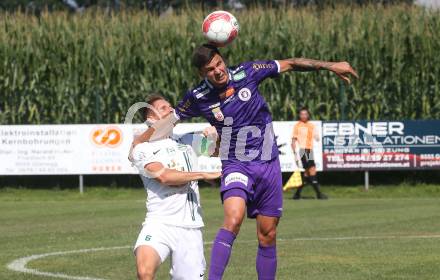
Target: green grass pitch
<point x="387" y="233"/>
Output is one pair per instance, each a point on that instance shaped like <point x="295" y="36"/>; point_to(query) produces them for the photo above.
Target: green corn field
<point x="89" y="68"/>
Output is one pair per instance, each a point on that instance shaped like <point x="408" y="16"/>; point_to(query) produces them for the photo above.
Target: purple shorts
<point x="260" y="185"/>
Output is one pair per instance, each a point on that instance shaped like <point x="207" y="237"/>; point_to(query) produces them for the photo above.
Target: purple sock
<point x="266" y="262"/>
<point x="221" y="250"/>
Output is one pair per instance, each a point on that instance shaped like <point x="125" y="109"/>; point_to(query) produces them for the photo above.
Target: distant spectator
<point x="304" y="132"/>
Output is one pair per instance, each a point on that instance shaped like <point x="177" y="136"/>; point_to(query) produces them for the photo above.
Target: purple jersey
<point x="238" y="111"/>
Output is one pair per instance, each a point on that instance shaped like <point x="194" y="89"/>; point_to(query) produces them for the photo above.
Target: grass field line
<point x="19" y="265"/>
<point x="361" y="237"/>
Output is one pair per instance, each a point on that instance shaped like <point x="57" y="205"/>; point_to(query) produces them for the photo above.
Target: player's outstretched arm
<point x="343" y="69"/>
<point x="172" y="177"/>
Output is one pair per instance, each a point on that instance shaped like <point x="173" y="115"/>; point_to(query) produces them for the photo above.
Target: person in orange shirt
<point x="304" y="133"/>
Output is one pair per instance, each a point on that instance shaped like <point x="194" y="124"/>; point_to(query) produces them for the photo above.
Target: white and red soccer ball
<point x="220" y="28"/>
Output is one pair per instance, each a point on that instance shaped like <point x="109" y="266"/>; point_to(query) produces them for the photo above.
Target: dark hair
<point x="150" y="100"/>
<point x="203" y="54"/>
<point x="304" y="108"/>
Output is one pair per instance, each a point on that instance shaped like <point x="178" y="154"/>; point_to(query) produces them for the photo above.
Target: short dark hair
<point x="203" y="54"/>
<point x="304" y="108"/>
<point x="150" y="99"/>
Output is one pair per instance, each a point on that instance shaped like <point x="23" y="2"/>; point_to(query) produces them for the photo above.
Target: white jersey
<point x="178" y="206"/>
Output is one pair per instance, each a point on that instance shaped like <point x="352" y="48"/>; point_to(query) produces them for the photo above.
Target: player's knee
<point x="267" y="237"/>
<point x="145" y="272"/>
<point x="233" y="223"/>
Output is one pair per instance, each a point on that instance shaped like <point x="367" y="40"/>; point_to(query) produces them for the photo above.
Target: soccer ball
<point x="220" y="28"/>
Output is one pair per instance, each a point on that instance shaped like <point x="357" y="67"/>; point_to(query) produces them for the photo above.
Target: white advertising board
<point x="101" y="148"/>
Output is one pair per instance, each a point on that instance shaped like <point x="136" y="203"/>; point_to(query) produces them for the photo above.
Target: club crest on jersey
<point x="218" y="114"/>
<point x="230" y="91"/>
<point x="244" y="94"/>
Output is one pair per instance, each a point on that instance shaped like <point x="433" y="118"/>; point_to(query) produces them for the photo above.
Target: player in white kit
<point x="174" y="220"/>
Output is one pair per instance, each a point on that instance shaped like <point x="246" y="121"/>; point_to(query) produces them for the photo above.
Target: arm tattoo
<point x="305" y="64"/>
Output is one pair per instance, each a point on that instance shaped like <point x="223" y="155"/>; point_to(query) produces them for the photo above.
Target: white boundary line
<point x="362" y="237"/>
<point x="19" y="265"/>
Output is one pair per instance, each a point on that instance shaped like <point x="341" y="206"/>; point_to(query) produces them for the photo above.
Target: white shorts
<point x="184" y="244"/>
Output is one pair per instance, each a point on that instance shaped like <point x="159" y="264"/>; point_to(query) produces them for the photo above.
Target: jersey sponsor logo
<point x="156" y="152"/>
<point x="236" y="177"/>
<point x="171" y="150"/>
<point x="214" y="105"/>
<point x="239" y="76"/>
<point x="229" y="92"/>
<point x="218" y="114"/>
<point x="237" y="69"/>
<point x="244" y="94"/>
<point x="185" y="106"/>
<point x="107" y="136"/>
<point x="258" y="66"/>
<point x="202" y="93"/>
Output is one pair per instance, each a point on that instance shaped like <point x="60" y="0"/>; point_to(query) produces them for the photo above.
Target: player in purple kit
<point x="251" y="176"/>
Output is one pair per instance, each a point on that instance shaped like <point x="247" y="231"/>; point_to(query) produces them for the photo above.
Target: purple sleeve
<point x="187" y="107"/>
<point x="263" y="69"/>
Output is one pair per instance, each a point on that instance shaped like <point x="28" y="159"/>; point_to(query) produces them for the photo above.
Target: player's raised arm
<point x="172" y="177"/>
<point x="163" y="121"/>
<point x="343" y="69"/>
<point x="158" y="130"/>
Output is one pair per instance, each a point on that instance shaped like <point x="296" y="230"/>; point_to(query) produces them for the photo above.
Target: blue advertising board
<point x="379" y="145"/>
